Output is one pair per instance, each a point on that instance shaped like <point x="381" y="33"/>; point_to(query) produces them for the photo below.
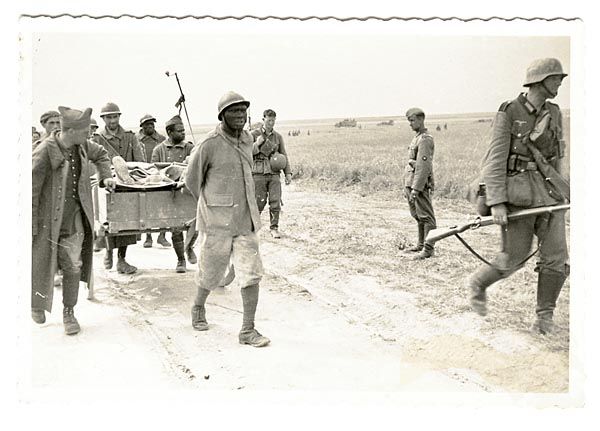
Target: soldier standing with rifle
<point x="418" y="181"/>
<point x="527" y="139"/>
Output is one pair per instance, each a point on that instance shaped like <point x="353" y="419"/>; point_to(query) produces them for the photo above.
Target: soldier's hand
<point x="288" y="179"/>
<point x="260" y="140"/>
<point x="110" y="184"/>
<point x="413" y="195"/>
<point x="500" y="214"/>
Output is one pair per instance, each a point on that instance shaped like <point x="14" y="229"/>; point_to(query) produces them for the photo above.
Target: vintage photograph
<point x="362" y="206"/>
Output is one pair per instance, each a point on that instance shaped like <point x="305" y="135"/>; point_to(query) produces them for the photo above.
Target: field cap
<point x="145" y="118"/>
<point x="47" y="115"/>
<point x="73" y="118"/>
<point x="175" y="120"/>
<point x="414" y="111"/>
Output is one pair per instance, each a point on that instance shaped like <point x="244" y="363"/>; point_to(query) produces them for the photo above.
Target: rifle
<point x="557" y="182"/>
<point x="438" y="234"/>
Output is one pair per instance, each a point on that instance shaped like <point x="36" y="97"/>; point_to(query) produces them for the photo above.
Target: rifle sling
<point x="481" y="258"/>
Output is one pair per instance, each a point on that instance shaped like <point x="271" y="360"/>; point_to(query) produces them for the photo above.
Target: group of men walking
<point x="233" y="174"/>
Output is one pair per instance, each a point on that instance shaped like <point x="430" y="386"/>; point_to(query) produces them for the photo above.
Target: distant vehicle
<point x="386" y="123"/>
<point x="346" y="122"/>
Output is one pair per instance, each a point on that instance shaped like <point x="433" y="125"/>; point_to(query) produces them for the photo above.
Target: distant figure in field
<point x="514" y="182"/>
<point x="289" y="133"/>
<point x="418" y="181"/>
<point x="308" y="132"/>
<point x="269" y="157"/>
<point x="438" y="128"/>
<point x="445" y="126"/>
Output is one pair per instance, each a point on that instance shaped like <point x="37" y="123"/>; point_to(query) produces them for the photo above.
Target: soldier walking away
<point x="267" y="152"/>
<point x="118" y="142"/>
<point x="62" y="213"/>
<point x="175" y="149"/>
<point x="149" y="138"/>
<point x="50" y="121"/>
<point x="418" y="181"/>
<point x="219" y="175"/>
<point x="513" y="182"/>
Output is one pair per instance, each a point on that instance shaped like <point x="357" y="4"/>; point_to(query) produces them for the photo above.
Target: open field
<point x="373" y="157"/>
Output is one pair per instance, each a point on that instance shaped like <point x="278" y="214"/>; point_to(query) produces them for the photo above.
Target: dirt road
<point x="339" y="302"/>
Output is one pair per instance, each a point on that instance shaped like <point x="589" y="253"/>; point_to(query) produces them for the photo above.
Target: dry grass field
<point x="373" y="157"/>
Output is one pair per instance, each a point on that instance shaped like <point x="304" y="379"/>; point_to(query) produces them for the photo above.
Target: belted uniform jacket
<point x="419" y="169"/>
<point x="50" y="169"/>
<point x="219" y="176"/>
<point x="515" y="124"/>
<point x="273" y="140"/>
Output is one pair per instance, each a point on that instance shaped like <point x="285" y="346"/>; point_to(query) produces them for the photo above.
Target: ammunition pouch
<point x="518" y="189"/>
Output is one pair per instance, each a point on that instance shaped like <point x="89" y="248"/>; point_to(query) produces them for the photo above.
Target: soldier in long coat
<point x="118" y="142"/>
<point x="62" y="213"/>
<point x="514" y="182"/>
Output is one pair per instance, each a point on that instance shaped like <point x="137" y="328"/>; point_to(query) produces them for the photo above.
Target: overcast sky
<point x="300" y="76"/>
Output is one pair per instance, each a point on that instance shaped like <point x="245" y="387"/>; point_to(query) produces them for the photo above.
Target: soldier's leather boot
<point x="548" y="289"/>
<point x="476" y="288"/>
<point x="178" y="246"/>
<point x="124" y="268"/>
<point x="198" y="311"/>
<point x="148" y="242"/>
<point x="427" y="251"/>
<point x="108" y="259"/>
<point x="162" y="240"/>
<point x="70" y="322"/>
<point x="191" y="256"/>
<point x="38" y="315"/>
<point x="419" y="246"/>
<point x="275" y="233"/>
<point x="249" y="335"/>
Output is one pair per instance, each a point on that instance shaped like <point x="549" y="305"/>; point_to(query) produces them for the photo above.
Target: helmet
<point x="109" y="108"/>
<point x="542" y="68"/>
<point x="228" y="99"/>
<point x="145" y="118"/>
<point x="278" y="162"/>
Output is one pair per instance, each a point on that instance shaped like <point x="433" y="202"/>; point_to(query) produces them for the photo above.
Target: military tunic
<point x="169" y="152"/>
<point x="419" y="176"/>
<point x="512" y="178"/>
<point x="149" y="142"/>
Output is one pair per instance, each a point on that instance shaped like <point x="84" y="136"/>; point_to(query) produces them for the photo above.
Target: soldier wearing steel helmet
<point x="123" y="143"/>
<point x="219" y="175"/>
<point x="418" y="181"/>
<point x="270" y="157"/>
<point x="513" y="182"/>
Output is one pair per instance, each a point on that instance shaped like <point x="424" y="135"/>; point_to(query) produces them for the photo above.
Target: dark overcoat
<point x="49" y="181"/>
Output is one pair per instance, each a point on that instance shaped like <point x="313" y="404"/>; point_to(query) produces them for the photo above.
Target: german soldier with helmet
<point x="530" y="123"/>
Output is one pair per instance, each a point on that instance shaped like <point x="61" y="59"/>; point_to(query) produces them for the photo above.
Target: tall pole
<point x="181" y="102"/>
